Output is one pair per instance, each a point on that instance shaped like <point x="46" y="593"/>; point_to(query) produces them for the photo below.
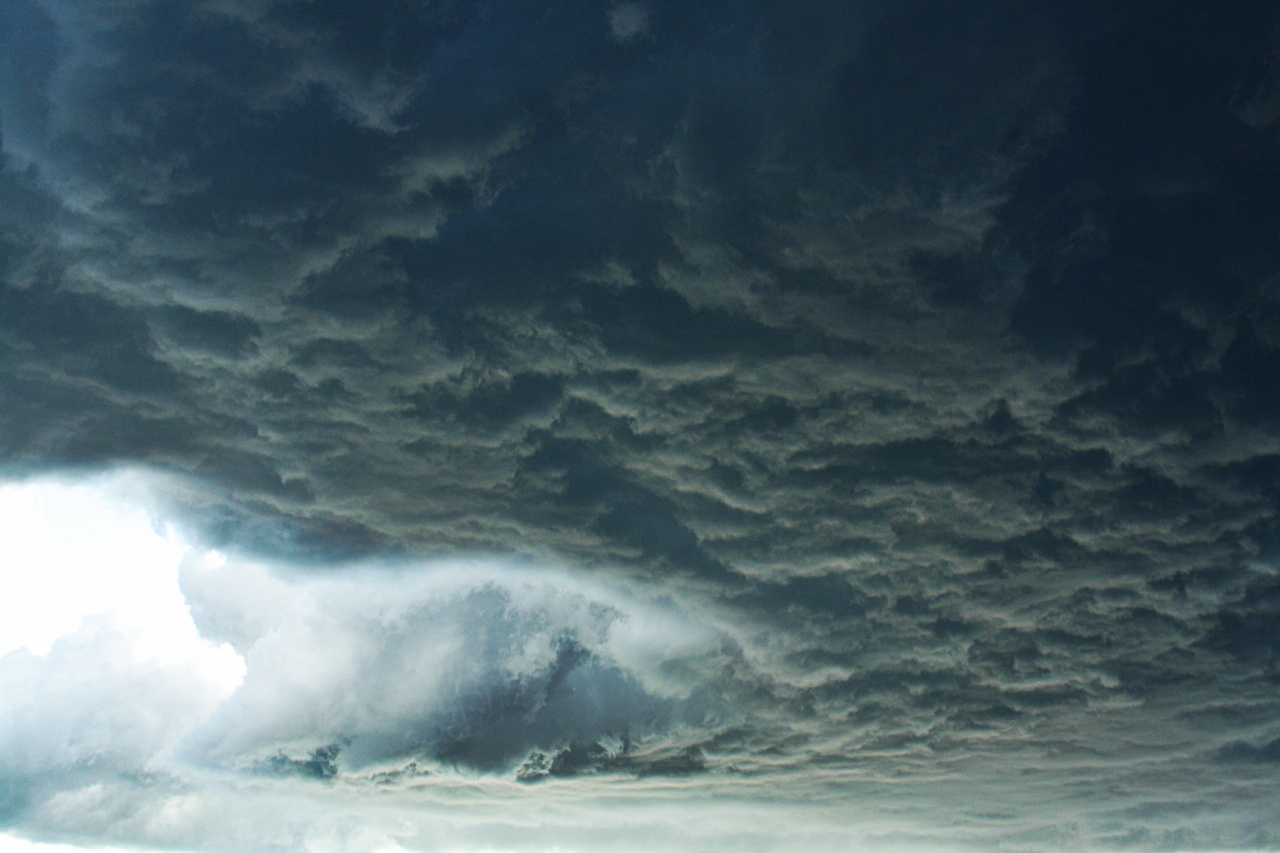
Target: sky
<point x="598" y="426"/>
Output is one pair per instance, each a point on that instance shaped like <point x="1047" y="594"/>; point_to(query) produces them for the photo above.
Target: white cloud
<point x="115" y="701"/>
<point x="14" y="844"/>
<point x="392" y="663"/>
<point x="91" y="549"/>
<point x="101" y="667"/>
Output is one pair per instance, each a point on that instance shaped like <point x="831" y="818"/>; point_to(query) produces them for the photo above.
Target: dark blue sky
<point x="913" y="363"/>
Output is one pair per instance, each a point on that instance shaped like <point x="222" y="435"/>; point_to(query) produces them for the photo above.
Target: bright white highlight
<point x="158" y="694"/>
<point x="89" y="553"/>
<point x="10" y="844"/>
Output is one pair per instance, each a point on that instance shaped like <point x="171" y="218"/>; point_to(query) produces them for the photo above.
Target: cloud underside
<point x="917" y="361"/>
<point x="473" y="704"/>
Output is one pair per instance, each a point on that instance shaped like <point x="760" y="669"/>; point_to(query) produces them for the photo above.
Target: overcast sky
<point x="723" y="425"/>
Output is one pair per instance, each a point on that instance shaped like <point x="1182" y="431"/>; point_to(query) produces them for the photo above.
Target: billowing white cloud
<point x="102" y="669"/>
<point x="123" y="717"/>
<point x="92" y="551"/>
<point x="475" y="663"/>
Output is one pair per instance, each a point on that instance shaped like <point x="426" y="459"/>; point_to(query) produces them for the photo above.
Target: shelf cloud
<point x="462" y="426"/>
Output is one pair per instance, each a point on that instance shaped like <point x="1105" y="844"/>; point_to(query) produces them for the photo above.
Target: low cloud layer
<point x="827" y="410"/>
<point x="460" y="670"/>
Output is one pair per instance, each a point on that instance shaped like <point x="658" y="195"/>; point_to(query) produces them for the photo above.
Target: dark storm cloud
<point x="925" y="351"/>
<point x="485" y="257"/>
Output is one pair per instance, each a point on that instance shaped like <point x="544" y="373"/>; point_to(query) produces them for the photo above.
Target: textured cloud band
<point x="469" y="667"/>
<point x="885" y="390"/>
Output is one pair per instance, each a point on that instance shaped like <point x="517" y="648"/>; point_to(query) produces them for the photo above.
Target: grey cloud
<point x="583" y="758"/>
<point x="455" y="294"/>
<point x="628" y="21"/>
<point x="319" y="764"/>
<point x="216" y="333"/>
<point x="1245" y="751"/>
<point x="923" y="352"/>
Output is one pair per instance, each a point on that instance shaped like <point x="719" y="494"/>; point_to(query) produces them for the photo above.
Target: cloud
<point x="359" y="678"/>
<point x="886" y="394"/>
<point x="473" y="669"/>
<point x="628" y="21"/>
<point x="91" y="708"/>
